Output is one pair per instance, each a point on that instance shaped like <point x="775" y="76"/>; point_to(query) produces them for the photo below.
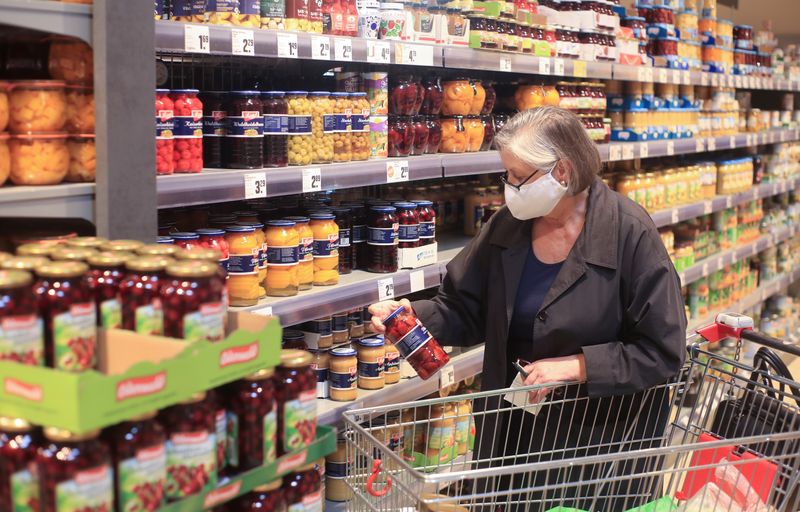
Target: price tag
<point x="243" y="42"/>
<point x="749" y="139"/>
<point x="558" y="67"/>
<point x="417" y="279"/>
<point x="627" y="152"/>
<point x="614" y="152"/>
<point x="505" y="64"/>
<point x="764" y="138"/>
<point x="705" y="269"/>
<point x="255" y="185"/>
<point x="738" y="81"/>
<point x="196" y="39"/>
<point x="447" y="377"/>
<point x="704" y="79"/>
<point x="675" y="217"/>
<point x="670" y="148"/>
<point x="676" y="77"/>
<point x="640" y="74"/>
<point x="730" y="80"/>
<point x="753" y="250"/>
<point x="708" y="207"/>
<point x="662" y="76"/>
<point x="343" y="49"/>
<point x="728" y="202"/>
<point x="320" y="48"/>
<point x="783" y="135"/>
<point x="579" y="69"/>
<point x="544" y="66"/>
<point x="397" y="171"/>
<point x="687" y="78"/>
<point x="378" y="52"/>
<point x="732" y="141"/>
<point x="712" y="144"/>
<point x="312" y="180"/>
<point x="287" y="45"/>
<point x="643" y="150"/>
<point x="754" y="194"/>
<point x="386" y="289"/>
<point x="720" y="263"/>
<point x="414" y="54"/>
<point x="699" y="147"/>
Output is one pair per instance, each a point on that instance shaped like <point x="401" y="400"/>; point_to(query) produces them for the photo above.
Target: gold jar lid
<point x="5" y="255"/>
<point x="191" y="269"/>
<point x="59" y="434"/>
<point x="200" y="254"/>
<point x="293" y="358"/>
<point x="62" y="269"/>
<point x="197" y="397"/>
<point x="106" y="259"/>
<point x="14" y="424"/>
<point x="34" y="249"/>
<point x="269" y="486"/>
<point x="29" y="263"/>
<point x="125" y="255"/>
<point x="158" y="250"/>
<point x="14" y="279"/>
<point x="72" y="254"/>
<point x="122" y="245"/>
<point x="148" y="264"/>
<point x="263" y="373"/>
<point x="90" y="242"/>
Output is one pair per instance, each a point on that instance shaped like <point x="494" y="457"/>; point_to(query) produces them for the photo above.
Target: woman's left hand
<point x="554" y="370"/>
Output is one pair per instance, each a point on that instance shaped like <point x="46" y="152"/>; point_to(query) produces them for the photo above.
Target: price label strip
<point x="397" y="171"/>
<point x="544" y="66"/>
<point x="414" y="54"/>
<point x="505" y="65"/>
<point x="386" y="289"/>
<point x="344" y="49"/>
<point x="320" y="48"/>
<point x="378" y="52"/>
<point x="287" y="45"/>
<point x="255" y="185"/>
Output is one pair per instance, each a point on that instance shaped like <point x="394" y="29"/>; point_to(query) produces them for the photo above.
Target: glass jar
<point x="138" y="449"/>
<point x="18" y="446"/>
<point x="191" y="11"/>
<point x="80" y="109"/>
<point x="187" y="240"/>
<point x="302" y="488"/>
<point x="244" y="134"/>
<point x="383" y="230"/>
<point x="139" y="292"/>
<point x="305" y="267"/>
<point x="427" y="222"/>
<point x="193" y="306"/>
<point x="319" y="364"/>
<point x="420" y="127"/>
<point x="321" y="331"/>
<point x="343" y="374"/>
<point x="299" y="127"/>
<point x="191" y="447"/>
<point x="4" y="109"/>
<point x="342" y="126"/>
<point x="475" y="133"/>
<point x="188" y="132"/>
<point x="459" y="96"/>
<point x="106" y="271"/>
<point x="403" y="96"/>
<point x="66" y="305"/>
<point x="82" y="158"/>
<point x="71" y="254"/>
<point x="296" y="397"/>
<point x="360" y="144"/>
<point x="38" y="159"/>
<point x="401" y="136"/>
<point x="214" y="238"/>
<point x="488" y="132"/>
<point x="244" y="283"/>
<point x="339" y="328"/>
<point x="322" y="127"/>
<point x="355" y="323"/>
<point x="415" y="343"/>
<point x="293" y="339"/>
<point x="434" y="125"/>
<point x="478" y="99"/>
<point x="325" y="249"/>
<point x="344" y="219"/>
<point x="454" y="135"/>
<point x="165" y="128"/>
<point x="37" y="106"/>
<point x="391" y="365"/>
<point x="283" y="258"/>
<point x="22" y="336"/>
<point x="214" y="127"/>
<point x="408" y="232"/>
<point x="358" y="234"/>
<point x="267" y="497"/>
<point x="371" y="356"/>
<point x="433" y="96"/>
<point x="75" y="469"/>
<point x="276" y="127"/>
<point x="252" y="416"/>
<point x="222" y="13"/>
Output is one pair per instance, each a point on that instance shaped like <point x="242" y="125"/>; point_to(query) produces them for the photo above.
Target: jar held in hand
<point x="415" y="343"/>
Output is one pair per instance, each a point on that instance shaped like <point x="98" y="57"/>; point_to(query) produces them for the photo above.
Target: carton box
<point x="418" y="256"/>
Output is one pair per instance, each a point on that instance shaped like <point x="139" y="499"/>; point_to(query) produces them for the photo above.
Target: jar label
<point x="275" y="123"/>
<point x="339" y="323"/>
<point x="310" y="503"/>
<point x="189" y="127"/>
<point x="111" y="314"/>
<point x="328" y="123"/>
<point x="383" y="236"/>
<point x="344" y="238"/>
<point x="462" y="430"/>
<point x="343" y="380"/>
<point x="24" y="491"/>
<point x="270" y="430"/>
<point x="335" y="469"/>
<point x="250" y="7"/>
<point x="181" y="8"/>
<point x="355" y="317"/>
<point x="208" y="323"/>
<point x="239" y="264"/>
<point x="321" y="327"/>
<point x="165" y="125"/>
<point x="408" y="232"/>
<point x="215" y="124"/>
<point x="191" y="463"/>
<point x="441" y="438"/>
<point x="427" y="229"/>
<point x="142" y="479"/>
<point x="249" y="124"/>
<point x="232" y="439"/>
<point x="149" y="319"/>
<point x="262" y="256"/>
<point x="225" y="6"/>
<point x="74" y="337"/>
<point x="224" y="264"/>
<point x="322" y="381"/>
<point x="306" y="248"/>
<point x="283" y="256"/>
<point x="343" y="122"/>
<point x="359" y="234"/>
<point x="413" y="340"/>
<point x="22" y="339"/>
<point x="299" y="125"/>
<point x="300" y="420"/>
<point x="360" y="122"/>
<point x="371" y="370"/>
<point x="326" y="247"/>
<point x="273" y="9"/>
<point x="221" y="427"/>
<point x="392" y="362"/>
<point x="92" y="489"/>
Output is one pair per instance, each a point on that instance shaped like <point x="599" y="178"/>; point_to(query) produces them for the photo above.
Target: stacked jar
<point x="299" y="128"/>
<point x="322" y="127"/>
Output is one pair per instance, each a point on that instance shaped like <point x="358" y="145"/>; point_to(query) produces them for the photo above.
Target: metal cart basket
<point x="721" y="435"/>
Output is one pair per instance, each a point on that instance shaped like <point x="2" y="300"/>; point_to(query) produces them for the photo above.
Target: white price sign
<point x="196" y="39"/>
<point x="320" y="48"/>
<point x="728" y="202"/>
<point x="447" y="376"/>
<point x="378" y="52"/>
<point x="714" y="80"/>
<point x="708" y="207"/>
<point x="662" y="76"/>
<point x="397" y="171"/>
<point x="417" y="279"/>
<point x="505" y="64"/>
<point x="558" y="67"/>
<point x="699" y="147"/>
<point x="705" y="269"/>
<point x="614" y="152"/>
<point x="544" y="66"/>
<point x="732" y="141"/>
<point x="255" y="185"/>
<point x="675" y="216"/>
<point x="312" y="180"/>
<point x="627" y="152"/>
<point x="687" y="78"/>
<point x="676" y="77"/>
<point x="386" y="289"/>
<point x="644" y="150"/>
<point x="783" y="135"/>
<point x="287" y="45"/>
<point x="712" y="144"/>
<point x="749" y="140"/>
<point x="344" y="49"/>
<point x="720" y="263"/>
<point x="704" y="79"/>
<point x="415" y="54"/>
<point x="243" y="42"/>
<point x="670" y="148"/>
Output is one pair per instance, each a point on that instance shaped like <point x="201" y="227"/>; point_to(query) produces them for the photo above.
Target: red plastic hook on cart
<point x="726" y="325"/>
<point x="376" y="470"/>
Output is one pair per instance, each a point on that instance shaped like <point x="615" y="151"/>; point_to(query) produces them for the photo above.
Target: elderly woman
<point x="573" y="279"/>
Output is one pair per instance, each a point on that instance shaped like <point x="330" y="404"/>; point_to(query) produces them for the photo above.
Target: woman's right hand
<point x="380" y="310"/>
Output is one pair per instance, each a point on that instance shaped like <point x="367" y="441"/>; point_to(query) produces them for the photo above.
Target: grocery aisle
<point x="185" y="315"/>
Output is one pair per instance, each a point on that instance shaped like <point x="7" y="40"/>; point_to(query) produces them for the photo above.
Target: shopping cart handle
<point x="726" y="325"/>
<point x="376" y="470"/>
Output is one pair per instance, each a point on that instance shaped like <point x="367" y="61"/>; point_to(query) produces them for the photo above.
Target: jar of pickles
<point x="22" y="336"/>
<point x="325" y="249"/>
<point x="252" y="415"/>
<point x="188" y="132"/>
<point x="360" y="108"/>
<point x="193" y="306"/>
<point x="283" y="258"/>
<point x="401" y="136"/>
<point x="105" y="275"/>
<point x="18" y="447"/>
<point x="244" y="283"/>
<point x="322" y="127"/>
<point x="301" y="143"/>
<point x="305" y="268"/>
<point x="296" y="397"/>
<point x="165" y="129"/>
<point x="383" y="230"/>
<point x="139" y="292"/>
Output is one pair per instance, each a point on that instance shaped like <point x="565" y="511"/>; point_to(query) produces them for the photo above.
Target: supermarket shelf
<point x="465" y="365"/>
<point x="488" y="60"/>
<point x="674" y="76"/>
<point x="67" y="200"/>
<point x="49" y="16"/>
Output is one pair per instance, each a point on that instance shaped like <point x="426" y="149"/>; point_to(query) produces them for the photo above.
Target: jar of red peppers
<point x="420" y="135"/>
<point x="491" y="97"/>
<point x="408" y="218"/>
<point x="214" y="126"/>
<point x="186" y="240"/>
<point x="296" y="396"/>
<point x="244" y="134"/>
<point x="382" y="230"/>
<point x="21" y="327"/>
<point x="344" y="219"/>
<point x="139" y="292"/>
<point x="433" y="96"/>
<point x="434" y="125"/>
<point x="19" y="488"/>
<point x="302" y="489"/>
<point x="67" y="306"/>
<point x="276" y="128"/>
<point x="401" y="136"/>
<point x="165" y="129"/>
<point x="191" y="447"/>
<point x="488" y="132"/>
<point x="193" y="305"/>
<point x="188" y="132"/>
<point x="414" y="342"/>
<point x="427" y="222"/>
<point x="75" y="469"/>
<point x="404" y="97"/>
<point x="214" y="238"/>
<point x="252" y="417"/>
<point x="106" y="271"/>
<point x="267" y="497"/>
<point x="138" y="448"/>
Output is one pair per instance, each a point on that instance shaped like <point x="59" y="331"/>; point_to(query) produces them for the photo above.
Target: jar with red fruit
<point x="433" y="96"/>
<point x="76" y="469"/>
<point x="192" y="301"/>
<point x="404" y="97"/>
<point x="243" y="146"/>
<point x="490" y="97"/>
<point x="434" y="125"/>
<point x="18" y="484"/>
<point x="408" y="232"/>
<point x="252" y="417"/>
<point x="414" y="342"/>
<point x="214" y="238"/>
<point x="138" y="449"/>
<point x="267" y="497"/>
<point x="188" y="153"/>
<point x="106" y="271"/>
<point x="302" y="489"/>
<point x="67" y="306"/>
<point x="186" y="240"/>
<point x="296" y="396"/>
<point x="427" y="222"/>
<point x="359" y="234"/>
<point x="214" y="127"/>
<point x="22" y="334"/>
<point x="191" y="447"/>
<point x="165" y="130"/>
<point x="276" y="128"/>
<point x="401" y="135"/>
<point x="420" y="135"/>
<point x="139" y="293"/>
<point x="488" y="132"/>
<point x="383" y="230"/>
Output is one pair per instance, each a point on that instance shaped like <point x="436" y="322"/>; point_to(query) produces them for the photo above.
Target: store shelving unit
<point x="75" y="200"/>
<point x="66" y="19"/>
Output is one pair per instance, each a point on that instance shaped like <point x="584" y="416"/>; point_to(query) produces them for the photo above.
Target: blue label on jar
<point x="158" y="8"/>
<point x="188" y="127"/>
<point x="243" y="263"/>
<point x="427" y="229"/>
<point x="262" y="257"/>
<point x="326" y="248"/>
<point x="299" y="125"/>
<point x="224" y="264"/>
<point x="214" y="125"/>
<point x="383" y="236"/>
<point x="198" y="7"/>
<point x="343" y="380"/>
<point x="249" y="124"/>
<point x="342" y="123"/>
<point x="328" y="123"/>
<point x="275" y="124"/>
<point x="371" y="369"/>
<point x="391" y="362"/>
<point x="182" y="8"/>
<point x="322" y="374"/>
<point x="306" y="248"/>
<point x="285" y="256"/>
<point x="339" y="323"/>
<point x="165" y="125"/>
<point x="222" y="5"/>
<point x="359" y="234"/>
<point x="408" y="232"/>
<point x="344" y="238"/>
<point x="413" y="339"/>
<point x="321" y="327"/>
<point x="335" y="469"/>
<point x="355" y="317"/>
<point x="250" y="7"/>
<point x="360" y="123"/>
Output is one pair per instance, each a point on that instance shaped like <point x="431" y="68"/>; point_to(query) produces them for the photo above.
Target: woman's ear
<point x="561" y="172"/>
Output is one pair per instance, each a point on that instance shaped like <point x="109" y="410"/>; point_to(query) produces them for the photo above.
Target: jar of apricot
<point x="305" y="267"/>
<point x="283" y="258"/>
<point x="325" y="249"/>
<point x="244" y="286"/>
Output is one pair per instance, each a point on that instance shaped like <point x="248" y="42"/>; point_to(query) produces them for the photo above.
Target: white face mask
<point x="535" y="199"/>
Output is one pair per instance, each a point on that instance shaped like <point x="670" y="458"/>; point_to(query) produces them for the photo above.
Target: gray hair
<point x="541" y="137"/>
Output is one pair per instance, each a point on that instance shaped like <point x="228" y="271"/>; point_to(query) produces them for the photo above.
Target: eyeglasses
<point x="504" y="179"/>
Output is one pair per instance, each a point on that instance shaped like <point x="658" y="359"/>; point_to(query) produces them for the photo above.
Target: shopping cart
<point x="721" y="435"/>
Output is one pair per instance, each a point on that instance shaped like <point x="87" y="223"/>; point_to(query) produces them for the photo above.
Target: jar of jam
<point x="427" y="222"/>
<point x="188" y="132"/>
<point x="433" y="96"/>
<point x="75" y="469"/>
<point x="276" y="129"/>
<point x="454" y="135"/>
<point x="401" y="136"/>
<point x="344" y="219"/>
<point x="18" y="446"/>
<point x="371" y="356"/>
<point x="343" y="374"/>
<point x="244" y="135"/>
<point x="336" y="470"/>
<point x="244" y="282"/>
<point x="665" y="46"/>
<point x="408" y="218"/>
<point x="325" y="250"/>
<point x="524" y="37"/>
<point x="138" y="449"/>
<point x="415" y="343"/>
<point x="296" y="396"/>
<point x="488" y="132"/>
<point x="459" y="95"/>
<point x="319" y="364"/>
<point x="186" y="239"/>
<point x="193" y="306"/>
<point x="106" y="271"/>
<point x="267" y="497"/>
<point x="67" y="306"/>
<point x="283" y="258"/>
<point x="319" y="332"/>
<point x="403" y="96"/>
<point x="252" y="415"/>
<point x="71" y="254"/>
<point x="391" y="364"/>
<point x="122" y="245"/>
<point x="302" y="489"/>
<point x="383" y="230"/>
<point x="165" y="130"/>
<point x="305" y="266"/>
<point x="434" y="125"/>
<point x="140" y="297"/>
<point x="214" y="238"/>
<point x="214" y="127"/>
<point x="191" y="447"/>
<point x="22" y="336"/>
<point x="420" y="127"/>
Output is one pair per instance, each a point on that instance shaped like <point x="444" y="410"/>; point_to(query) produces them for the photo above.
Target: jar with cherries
<point x="188" y="132"/>
<point x="414" y="342"/>
<point x="421" y="133"/>
<point x="18" y="484"/>
<point x="296" y="397"/>
<point x="192" y="302"/>
<point x="408" y="219"/>
<point x="252" y="416"/>
<point x="427" y="222"/>
<point x="22" y="335"/>
<point x="139" y="292"/>
<point x="401" y="136"/>
<point x="302" y="489"/>
<point x="382" y="233"/>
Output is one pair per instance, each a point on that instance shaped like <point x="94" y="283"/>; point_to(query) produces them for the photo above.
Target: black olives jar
<point x="244" y="137"/>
